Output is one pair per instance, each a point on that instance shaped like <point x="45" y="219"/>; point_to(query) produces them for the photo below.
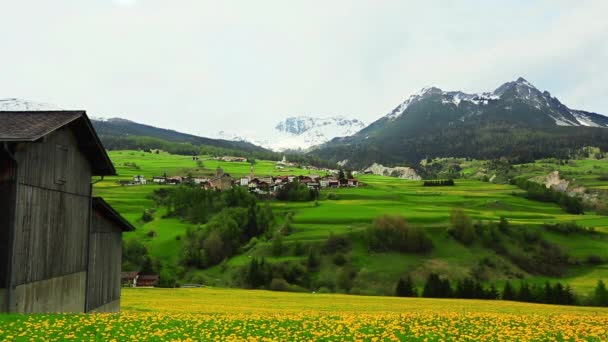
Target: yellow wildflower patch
<point x="240" y="315"/>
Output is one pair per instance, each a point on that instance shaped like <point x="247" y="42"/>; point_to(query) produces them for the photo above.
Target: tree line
<point x="557" y="293"/>
<point x="440" y="182"/>
<point x="145" y="143"/>
<point x="540" y="192"/>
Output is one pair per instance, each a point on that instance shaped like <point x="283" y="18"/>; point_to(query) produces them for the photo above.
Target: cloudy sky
<point x="203" y="66"/>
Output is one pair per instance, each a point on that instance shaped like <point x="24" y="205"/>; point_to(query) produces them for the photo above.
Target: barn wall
<point x="105" y="255"/>
<point x="51" y="224"/>
<point x="59" y="294"/>
<point x="7" y="203"/>
<point x="2" y="299"/>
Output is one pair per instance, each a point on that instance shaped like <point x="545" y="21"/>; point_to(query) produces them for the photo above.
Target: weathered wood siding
<point x="7" y="208"/>
<point x="52" y="210"/>
<point x="105" y="255"/>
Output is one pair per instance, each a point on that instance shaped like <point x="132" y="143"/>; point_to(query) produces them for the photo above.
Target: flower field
<point x="238" y="315"/>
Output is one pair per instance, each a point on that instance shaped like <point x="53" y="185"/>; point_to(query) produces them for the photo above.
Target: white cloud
<point x="124" y="2"/>
<point x="201" y="66"/>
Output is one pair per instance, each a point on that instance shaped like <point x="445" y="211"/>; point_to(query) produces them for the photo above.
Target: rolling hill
<point x="122" y="128"/>
<point x="516" y="120"/>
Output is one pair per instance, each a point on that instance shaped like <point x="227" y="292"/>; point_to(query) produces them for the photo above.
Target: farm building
<point x="60" y="247"/>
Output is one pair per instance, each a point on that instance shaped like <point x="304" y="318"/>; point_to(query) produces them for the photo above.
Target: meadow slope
<point x="350" y="212"/>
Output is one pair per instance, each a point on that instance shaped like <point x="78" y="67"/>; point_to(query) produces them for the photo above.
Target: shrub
<point x="312" y="261"/>
<point x="567" y="228"/>
<point x="333" y="196"/>
<point x="461" y="227"/>
<point x="595" y="260"/>
<point x="335" y="244"/>
<point x="277" y="245"/>
<point x="339" y="259"/>
<point x="147" y="216"/>
<point x="345" y="278"/>
<point x="298" y="248"/>
<point x="279" y="284"/>
<point x="393" y="233"/>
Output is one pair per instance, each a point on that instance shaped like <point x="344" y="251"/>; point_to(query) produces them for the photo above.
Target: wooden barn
<point x="60" y="248"/>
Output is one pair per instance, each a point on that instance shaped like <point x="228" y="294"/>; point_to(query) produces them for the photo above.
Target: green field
<point x="352" y="212"/>
<point x="211" y="314"/>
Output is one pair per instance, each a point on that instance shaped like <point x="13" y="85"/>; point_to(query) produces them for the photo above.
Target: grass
<point x="231" y="315"/>
<point x="354" y="210"/>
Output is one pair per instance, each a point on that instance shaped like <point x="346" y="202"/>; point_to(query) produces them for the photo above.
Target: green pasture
<point x="352" y="210"/>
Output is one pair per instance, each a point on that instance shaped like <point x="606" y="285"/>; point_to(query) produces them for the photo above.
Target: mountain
<point x="516" y="121"/>
<point x="113" y="131"/>
<point x="122" y="128"/>
<point x="14" y="104"/>
<point x="299" y="132"/>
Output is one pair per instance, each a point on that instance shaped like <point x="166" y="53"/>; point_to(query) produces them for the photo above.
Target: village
<point x="260" y="185"/>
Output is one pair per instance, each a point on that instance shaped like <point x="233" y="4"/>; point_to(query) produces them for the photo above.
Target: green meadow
<point x="351" y="210"/>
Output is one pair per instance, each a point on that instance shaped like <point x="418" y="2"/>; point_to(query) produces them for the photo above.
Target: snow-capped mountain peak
<point x="299" y="132"/>
<point x="15" y="104"/>
<point x="519" y="92"/>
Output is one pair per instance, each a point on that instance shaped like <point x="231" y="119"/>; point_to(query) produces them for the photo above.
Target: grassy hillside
<point x="351" y="211"/>
<point x="226" y="314"/>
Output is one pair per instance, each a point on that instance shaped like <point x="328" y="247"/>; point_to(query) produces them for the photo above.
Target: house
<point x="352" y="182"/>
<point x="199" y="180"/>
<point x="147" y="280"/>
<point x="244" y="181"/>
<point x="313" y="185"/>
<point x="159" y="180"/>
<point x="174" y="180"/>
<point x="233" y="159"/>
<point x="222" y="181"/>
<point x="129" y="279"/>
<point x="60" y="247"/>
<point x="139" y="179"/>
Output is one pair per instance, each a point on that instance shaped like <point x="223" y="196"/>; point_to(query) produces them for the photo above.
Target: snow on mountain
<point x="298" y="133"/>
<point x="520" y="91"/>
<point x="14" y="104"/>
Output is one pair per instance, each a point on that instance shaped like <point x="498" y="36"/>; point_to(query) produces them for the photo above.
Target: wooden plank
<point x="51" y="223"/>
<point x="105" y="260"/>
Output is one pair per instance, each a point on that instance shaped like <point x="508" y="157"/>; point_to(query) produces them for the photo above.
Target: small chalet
<point x="159" y="180"/>
<point x="129" y="279"/>
<point x="174" y="180"/>
<point x="139" y="179"/>
<point x="233" y="159"/>
<point x="147" y="280"/>
<point x="199" y="180"/>
<point x="60" y="247"/>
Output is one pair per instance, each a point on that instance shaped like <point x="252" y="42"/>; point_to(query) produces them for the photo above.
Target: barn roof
<point x="24" y="126"/>
<point x="106" y="210"/>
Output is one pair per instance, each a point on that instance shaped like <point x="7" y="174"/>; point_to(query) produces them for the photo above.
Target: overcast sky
<point x="203" y="66"/>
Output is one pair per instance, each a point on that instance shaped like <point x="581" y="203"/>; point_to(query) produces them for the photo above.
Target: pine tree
<point x="405" y="288"/>
<point x="600" y="297"/>
<point x="508" y="293"/>
<point x="312" y="261"/>
<point x="549" y="296"/>
<point x="524" y="294"/>
<point x="492" y="293"/>
<point x="409" y="285"/>
<point x="400" y="289"/>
